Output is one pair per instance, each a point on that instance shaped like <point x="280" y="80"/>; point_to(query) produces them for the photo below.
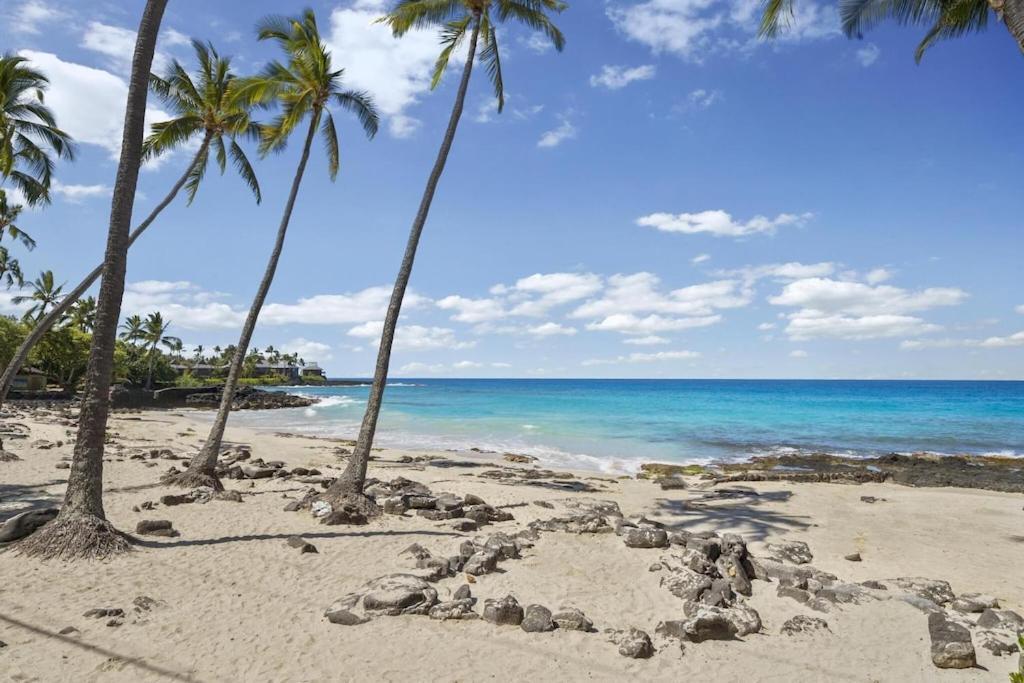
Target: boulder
<point x="745" y="619"/>
<point x="939" y="592"/>
<point x="537" y="619"/>
<point x="974" y="603"/>
<point x="503" y="612"/>
<point x="803" y="624"/>
<point x="951" y="643"/>
<point x="686" y="584"/>
<point x="155" y="527"/>
<point x="453" y="609"/>
<point x="709" y="623"/>
<point x="24" y="524"/>
<point x="481" y="562"/>
<point x="301" y="544"/>
<point x="391" y="595"/>
<point x="646" y="538"/>
<point x="572" y="619"/>
<point x="1001" y="618"/>
<point x="730" y="568"/>
<point x="794" y="552"/>
<point x="636" y="644"/>
<point x="463" y="592"/>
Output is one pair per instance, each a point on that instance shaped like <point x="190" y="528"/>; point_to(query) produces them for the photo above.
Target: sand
<point x="236" y="603"/>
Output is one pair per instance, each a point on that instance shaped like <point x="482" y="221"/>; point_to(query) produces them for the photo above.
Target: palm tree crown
<point x="205" y="106"/>
<point x="154" y="333"/>
<point x="83" y="314"/>
<point x="29" y="135"/>
<point x="10" y="269"/>
<point x="457" y="17"/>
<point x="45" y="294"/>
<point x="132" y="329"/>
<point x="308" y="84"/>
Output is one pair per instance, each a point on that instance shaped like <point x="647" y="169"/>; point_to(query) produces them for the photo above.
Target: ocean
<point x="615" y="425"/>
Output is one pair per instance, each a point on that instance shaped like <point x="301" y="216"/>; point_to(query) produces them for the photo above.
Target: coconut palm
<point x="307" y="86"/>
<point x="83" y="314"/>
<point x="45" y="294"/>
<point x="944" y="19"/>
<point x="10" y="269"/>
<point x="29" y="136"/>
<point x="132" y="329"/>
<point x="458" y="19"/>
<point x="201" y="106"/>
<point x="81" y="529"/>
<point x="154" y="335"/>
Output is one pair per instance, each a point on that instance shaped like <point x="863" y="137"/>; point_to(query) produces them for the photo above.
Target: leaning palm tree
<point x="202" y="106"/>
<point x="29" y="136"/>
<point x="458" y="19"/>
<point x="45" y="294"/>
<point x="307" y="86"/>
<point x="81" y="529"/>
<point x="944" y="19"/>
<point x="154" y="332"/>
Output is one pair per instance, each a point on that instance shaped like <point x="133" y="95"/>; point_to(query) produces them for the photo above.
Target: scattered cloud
<point x="868" y="54"/>
<point x="700" y="258"/>
<point x="30" y="16"/>
<point x="720" y="223"/>
<point x="552" y="329"/>
<point x="566" y="130"/>
<point x="1020" y="309"/>
<point x="1016" y="339"/>
<point x="643" y="358"/>
<point x="473" y="310"/>
<point x="627" y="323"/>
<point x="798" y="353"/>
<point x="538" y="43"/>
<point x="640" y="293"/>
<point x="766" y="327"/>
<point x="703" y="99"/>
<point x="877" y="276"/>
<point x="77" y="193"/>
<point x="617" y="77"/>
<point x="650" y="340"/>
<point x="412" y="337"/>
<point x="308" y="350"/>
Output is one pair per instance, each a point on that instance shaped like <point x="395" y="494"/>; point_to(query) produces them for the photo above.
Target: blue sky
<point x="669" y="197"/>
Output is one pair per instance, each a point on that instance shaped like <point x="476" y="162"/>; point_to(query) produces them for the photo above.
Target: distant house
<point x="287" y="370"/>
<point x="196" y="369"/>
<point x="29" y="379"/>
<point x="313" y="370"/>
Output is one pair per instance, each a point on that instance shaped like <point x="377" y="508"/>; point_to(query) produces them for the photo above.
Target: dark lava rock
<point x="293" y="506"/>
<point x="302" y="545"/>
<point x="794" y="552"/>
<point x="453" y="609"/>
<point x="103" y="612"/>
<point x="503" y="612"/>
<point x="686" y="584"/>
<point x="996" y="645"/>
<point x="537" y="619"/>
<point x="951" y="643"/>
<point x="1001" y="618"/>
<point x="636" y="644"/>
<point x="24" y="524"/>
<point x="155" y="527"/>
<point x="939" y="592"/>
<point x="178" y="499"/>
<point x="731" y="569"/>
<point x="974" y="603"/>
<point x="481" y="562"/>
<point x="709" y="624"/>
<point x="346" y="514"/>
<point x="646" y="538"/>
<point x="463" y="592"/>
<point x="803" y="624"/>
<point x="853" y="557"/>
<point x="572" y="619"/>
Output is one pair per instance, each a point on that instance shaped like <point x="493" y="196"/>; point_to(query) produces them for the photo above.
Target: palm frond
<point x="244" y="169"/>
<point x="452" y="36"/>
<point x="360" y="104"/>
<point x="491" y="56"/>
<point x="330" y="137"/>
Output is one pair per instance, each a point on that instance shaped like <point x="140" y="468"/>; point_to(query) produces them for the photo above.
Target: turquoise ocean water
<point x="618" y="424"/>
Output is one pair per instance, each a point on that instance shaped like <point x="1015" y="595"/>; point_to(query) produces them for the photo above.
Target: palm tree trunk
<point x="54" y="316"/>
<point x="81" y="529"/>
<point x="202" y="469"/>
<point x="149" y="371"/>
<point x="350" y="484"/>
<point x="1012" y="14"/>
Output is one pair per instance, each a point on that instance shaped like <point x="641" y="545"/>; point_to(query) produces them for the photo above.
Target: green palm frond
<point x="531" y="13"/>
<point x="197" y="173"/>
<point x="411" y="14"/>
<point x="491" y="56"/>
<point x="244" y="170"/>
<point x="452" y="36"/>
<point x="330" y="138"/>
<point x="360" y="104"/>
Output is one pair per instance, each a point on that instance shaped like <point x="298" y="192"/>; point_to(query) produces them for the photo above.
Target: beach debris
<point x="636" y="644"/>
<point x="25" y="524"/>
<point x="503" y="611"/>
<point x="803" y="624"/>
<point x="794" y="552"/>
<point x="951" y="643"/>
<point x="156" y="527"/>
<point x="321" y="508"/>
<point x="103" y="612"/>
<point x="537" y="619"/>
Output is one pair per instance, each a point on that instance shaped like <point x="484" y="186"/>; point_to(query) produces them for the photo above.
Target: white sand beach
<point x="234" y="602"/>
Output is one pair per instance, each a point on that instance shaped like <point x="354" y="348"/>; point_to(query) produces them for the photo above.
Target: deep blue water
<point x="611" y="424"/>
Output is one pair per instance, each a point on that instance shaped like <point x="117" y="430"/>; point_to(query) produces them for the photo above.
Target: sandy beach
<point x="231" y="600"/>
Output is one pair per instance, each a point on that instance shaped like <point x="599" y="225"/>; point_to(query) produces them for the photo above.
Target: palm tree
<point x="81" y="529"/>
<point x="197" y="355"/>
<point x="201" y="106"/>
<point x="45" y="294"/>
<point x="83" y="314"/>
<point x="10" y="269"/>
<point x="307" y="85"/>
<point x="458" y="18"/>
<point x="154" y="334"/>
<point x="132" y="329"/>
<point x="943" y="18"/>
<point x="29" y="136"/>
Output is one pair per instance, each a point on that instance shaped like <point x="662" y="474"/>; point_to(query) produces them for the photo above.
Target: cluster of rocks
<point x="237" y="463"/>
<point x="200" y="495"/>
<point x="248" y="398"/>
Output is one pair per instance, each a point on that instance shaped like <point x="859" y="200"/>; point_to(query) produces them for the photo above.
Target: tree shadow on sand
<point x="18" y="498"/>
<point x="136" y="662"/>
<point x="738" y="509"/>
<point x="245" y="538"/>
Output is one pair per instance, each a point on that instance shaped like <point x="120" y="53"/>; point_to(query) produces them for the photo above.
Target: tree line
<point x="305" y="90"/>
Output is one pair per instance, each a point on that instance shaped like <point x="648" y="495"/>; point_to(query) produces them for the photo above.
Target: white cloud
<point x="552" y="329"/>
<point x="76" y="193"/>
<point x="440" y="368"/>
<point x="309" y="351"/>
<point x="422" y="368"/>
<point x="843" y="309"/>
<point x="651" y="340"/>
<point x="700" y="258"/>
<point x="627" y="323"/>
<point x="643" y="358"/>
<point x="538" y="43"/>
<point x="719" y="223"/>
<point x="868" y="54"/>
<point x="472" y="310"/>
<point x="556" y="136"/>
<point x="467" y="365"/>
<point x="396" y="72"/>
<point x="1007" y="341"/>
<point x="765" y="327"/>
<point x="412" y="337"/>
<point x="703" y="99"/>
<point x="877" y="276"/>
<point x="1020" y="309"/>
<point x="798" y="353"/>
<point x="1016" y="339"/>
<point x="548" y="290"/>
<point x="31" y="15"/>
<point x="88" y="103"/>
<point x="617" y="77"/>
<point x="117" y="44"/>
<point x="640" y="293"/>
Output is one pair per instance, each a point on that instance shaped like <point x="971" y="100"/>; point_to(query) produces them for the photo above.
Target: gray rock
<point x="572" y="619"/>
<point x="924" y="604"/>
<point x="798" y="594"/>
<point x="733" y="544"/>
<point x="853" y="557"/>
<point x="470" y="499"/>
<point x="537" y="619"/>
<point x="155" y="527"/>
<point x="395" y="505"/>
<point x="463" y="592"/>
<point x="176" y="499"/>
<point x="709" y="623"/>
<point x="710" y="548"/>
<point x="453" y="609"/>
<point x="293" y="506"/>
<point x="636" y="644"/>
<point x="686" y="584"/>
<point x="104" y="612"/>
<point x="344" y="617"/>
<point x="397" y="594"/>
<point x="301" y="544"/>
<point x="481" y="562"/>
<point x="719" y="595"/>
<point x="645" y="538"/>
<point x="939" y="592"/>
<point x="731" y="569"/>
<point x="951" y="643"/>
<point x="997" y="645"/>
<point x="803" y="624"/>
<point x="256" y="472"/>
<point x="24" y="524"/>
<point x="503" y="612"/>
<point x="697" y="561"/>
<point x="794" y="552"/>
<point x="744" y="619"/>
<point x="974" y="603"/>
<point x="1001" y="618"/>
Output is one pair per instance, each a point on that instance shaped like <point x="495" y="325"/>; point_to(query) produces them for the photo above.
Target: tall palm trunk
<point x="57" y="313"/>
<point x="202" y="469"/>
<point x="81" y="529"/>
<point x="350" y="484"/>
<point x="149" y="371"/>
<point x="1012" y="14"/>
